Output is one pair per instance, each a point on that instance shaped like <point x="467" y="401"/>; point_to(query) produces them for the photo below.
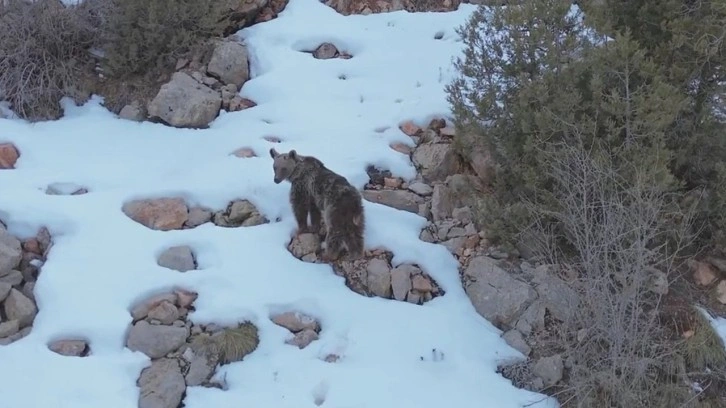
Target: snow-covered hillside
<point x="102" y="262"/>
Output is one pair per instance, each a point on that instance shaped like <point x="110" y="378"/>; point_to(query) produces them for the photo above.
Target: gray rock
<point x="549" y="369"/>
<point x="496" y="295"/>
<point x="421" y="189"/>
<point x="185" y="103"/>
<point x="454" y="244"/>
<point x="179" y="258"/>
<point x="515" y="339"/>
<point x="11" y="252"/>
<point x="141" y="310"/>
<point x="557" y="296"/>
<point x="201" y="369"/>
<point x="379" y="278"/>
<point x="133" y="111"/>
<point x="436" y="161"/>
<point x="295" y="321"/>
<point x="401" y="280"/>
<point x="303" y="339"/>
<point x="198" y="216"/>
<point x="156" y="340"/>
<point x="398" y="199"/>
<point x="13" y="278"/>
<point x="532" y="318"/>
<point x="65" y="188"/>
<point x="9" y="328"/>
<point x="161" y="385"/>
<point x="305" y="244"/>
<point x="19" y="307"/>
<point x="325" y="51"/>
<point x="165" y="312"/>
<point x="4" y="290"/>
<point x="230" y="63"/>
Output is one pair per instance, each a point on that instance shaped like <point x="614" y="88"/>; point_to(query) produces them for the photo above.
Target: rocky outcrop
<point x="20" y="263"/>
<point x="347" y="7"/>
<point x="173" y="213"/>
<point x="229" y="63"/>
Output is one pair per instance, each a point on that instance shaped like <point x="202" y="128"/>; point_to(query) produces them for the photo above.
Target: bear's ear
<point x="273" y="153"/>
<point x="292" y="154"/>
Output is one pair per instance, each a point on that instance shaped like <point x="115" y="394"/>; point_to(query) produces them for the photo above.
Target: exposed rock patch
<point x="229" y="63"/>
<point x="347" y="7"/>
<point x="173" y="213"/>
<point x="179" y="258"/>
<point x="185" y="103"/>
<point x="305" y="328"/>
<point x="65" y="189"/>
<point x="70" y="348"/>
<point x="20" y="263"/>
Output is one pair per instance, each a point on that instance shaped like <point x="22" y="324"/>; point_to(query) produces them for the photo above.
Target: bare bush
<point x="43" y="49"/>
<point x="619" y="243"/>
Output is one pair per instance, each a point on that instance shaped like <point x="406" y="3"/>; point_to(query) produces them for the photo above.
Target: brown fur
<point x="326" y="196"/>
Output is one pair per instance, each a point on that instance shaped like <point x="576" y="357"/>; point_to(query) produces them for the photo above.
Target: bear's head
<point x="284" y="164"/>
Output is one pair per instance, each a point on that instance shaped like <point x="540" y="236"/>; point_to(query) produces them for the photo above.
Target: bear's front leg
<point x="300" y="208"/>
<point x="315" y="218"/>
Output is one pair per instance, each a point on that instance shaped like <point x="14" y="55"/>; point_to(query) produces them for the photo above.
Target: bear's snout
<point x="277" y="180"/>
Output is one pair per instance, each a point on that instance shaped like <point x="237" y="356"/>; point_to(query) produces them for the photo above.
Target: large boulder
<point x="185" y="103"/>
<point x="495" y="294"/>
<point x="162" y="385"/>
<point x="10" y="252"/>
<point x="162" y="214"/>
<point x="229" y="63"/>
<point x="436" y="161"/>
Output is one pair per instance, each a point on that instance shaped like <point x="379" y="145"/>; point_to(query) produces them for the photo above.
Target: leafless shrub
<point x="619" y="242"/>
<point x="43" y="53"/>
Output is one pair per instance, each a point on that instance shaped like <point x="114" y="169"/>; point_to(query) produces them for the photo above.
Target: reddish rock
<point x="9" y="155"/>
<point x="32" y="245"/>
<point x="721" y="292"/>
<point x="70" y="348"/>
<point x="422" y="284"/>
<point x="185" y="297"/>
<point x="303" y="339"/>
<point x="162" y="214"/>
<point x="703" y="273"/>
<point x="401" y="148"/>
<point x="238" y="103"/>
<point x="410" y="128"/>
<point x="392" y="182"/>
<point x="295" y="321"/>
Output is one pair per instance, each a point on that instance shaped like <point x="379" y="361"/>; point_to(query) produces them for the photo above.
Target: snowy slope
<point x="102" y="261"/>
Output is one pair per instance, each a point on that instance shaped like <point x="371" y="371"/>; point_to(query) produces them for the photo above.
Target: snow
<point x="394" y="354"/>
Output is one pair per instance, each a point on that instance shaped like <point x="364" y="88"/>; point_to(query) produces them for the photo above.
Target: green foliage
<point x="153" y="34"/>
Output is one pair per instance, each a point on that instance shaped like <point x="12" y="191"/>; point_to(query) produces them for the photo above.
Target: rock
<point x="325" y="51"/>
<point x="133" y="111"/>
<point x="516" y="340"/>
<point x="478" y="157"/>
<point x="198" y="216"/>
<point x="13" y="278"/>
<point x="161" y="385"/>
<point x="379" y="278"/>
<point x="4" y="290"/>
<point x="496" y="295"/>
<point x="185" y="297"/>
<point x="401" y="280"/>
<point x="44" y="240"/>
<point x="238" y="103"/>
<point x="401" y="148"/>
<point x="201" y="369"/>
<point x="230" y="63"/>
<point x="719" y="263"/>
<point x="11" y="252"/>
<point x="703" y="273"/>
<point x="65" y="189"/>
<point x="9" y="155"/>
<point x="410" y="129"/>
<point x="164" y="312"/>
<point x="244" y="152"/>
<point x="421" y="189"/>
<point x="19" y="307"/>
<point x="239" y="213"/>
<point x="458" y="191"/>
<point x="141" y="310"/>
<point x="185" y="103"/>
<point x="436" y="161"/>
<point x="179" y="258"/>
<point x="721" y="292"/>
<point x="243" y="13"/>
<point x="69" y="348"/>
<point x="422" y="284"/>
<point x="398" y="199"/>
<point x="295" y="321"/>
<point x="557" y="296"/>
<point x="162" y="214"/>
<point x="29" y="290"/>
<point x="9" y="328"/>
<point x="304" y="244"/>
<point x="32" y="245"/>
<point x="156" y="340"/>
<point x="549" y="369"/>
<point x="454" y="245"/>
<point x="303" y="338"/>
<point x="392" y="182"/>
<point x="532" y="318"/>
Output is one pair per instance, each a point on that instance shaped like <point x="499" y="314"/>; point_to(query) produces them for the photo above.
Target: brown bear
<point x="322" y="193"/>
